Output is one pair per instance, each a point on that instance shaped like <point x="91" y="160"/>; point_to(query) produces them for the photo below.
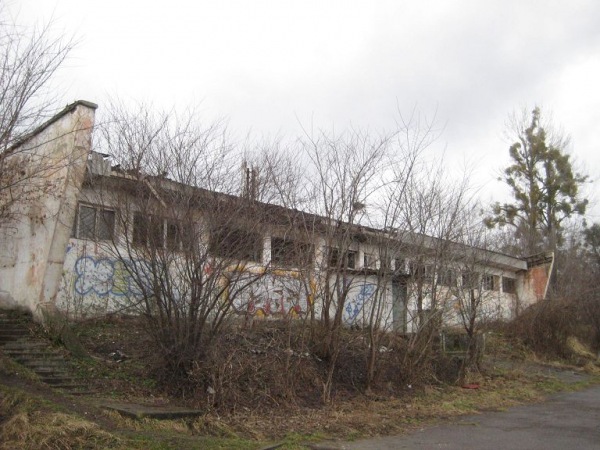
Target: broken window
<point x="179" y="236"/>
<point x="157" y="232"/>
<point x="490" y="282"/>
<point x="346" y="261"/>
<point x="509" y="285"/>
<point x="95" y="222"/>
<point x="238" y="244"/>
<point x="351" y="259"/>
<point x="291" y="253"/>
<point x="448" y="278"/>
<point x="470" y="280"/>
<point x="400" y="265"/>
<point x="148" y="231"/>
<point x="422" y="272"/>
<point x="369" y="261"/>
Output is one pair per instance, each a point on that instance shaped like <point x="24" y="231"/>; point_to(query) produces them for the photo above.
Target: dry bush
<point x="546" y="327"/>
<point x="268" y="366"/>
<point x="276" y="364"/>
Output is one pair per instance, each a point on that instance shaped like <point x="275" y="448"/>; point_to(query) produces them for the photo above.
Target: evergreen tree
<point x="544" y="187"/>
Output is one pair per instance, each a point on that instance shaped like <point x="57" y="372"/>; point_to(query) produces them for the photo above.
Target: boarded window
<point x="95" y="222"/>
<point x="509" y="285"/>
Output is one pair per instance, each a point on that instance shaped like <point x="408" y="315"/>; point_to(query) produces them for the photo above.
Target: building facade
<point x="104" y="240"/>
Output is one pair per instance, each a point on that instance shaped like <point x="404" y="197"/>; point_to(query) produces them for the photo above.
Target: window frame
<point x="510" y="283"/>
<point x="157" y="232"/>
<point x="99" y="217"/>
<point x="333" y="258"/>
<point x="369" y="261"/>
<point x="490" y="282"/>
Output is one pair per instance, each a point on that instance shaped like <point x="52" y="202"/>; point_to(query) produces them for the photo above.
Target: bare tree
<point x="29" y="59"/>
<point x="386" y="310"/>
<point x="186" y="240"/>
<point x="476" y="293"/>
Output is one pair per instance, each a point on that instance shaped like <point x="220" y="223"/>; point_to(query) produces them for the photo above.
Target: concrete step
<point x="12" y="325"/>
<point x="58" y="381"/>
<point x="14" y="331"/>
<point x="34" y="364"/>
<point x="13" y="335"/>
<point x="27" y="343"/>
<point x="37" y="354"/>
<point x="51" y="371"/>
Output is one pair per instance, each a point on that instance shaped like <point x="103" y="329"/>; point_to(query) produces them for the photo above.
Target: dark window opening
<point x="236" y="244"/>
<point x="448" y="278"/>
<point x="509" y="285"/>
<point x="95" y="222"/>
<point x="335" y="259"/>
<point x="148" y="231"/>
<point x="422" y="272"/>
<point x="157" y="232"/>
<point x="470" y="280"/>
<point x="291" y="253"/>
<point x="400" y="266"/>
<point x="179" y="236"/>
<point x="369" y="261"/>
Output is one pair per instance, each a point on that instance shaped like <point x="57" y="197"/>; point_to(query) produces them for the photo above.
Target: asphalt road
<point x="565" y="421"/>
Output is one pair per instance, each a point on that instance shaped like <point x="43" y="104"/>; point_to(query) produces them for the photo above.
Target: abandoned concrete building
<point x="89" y="246"/>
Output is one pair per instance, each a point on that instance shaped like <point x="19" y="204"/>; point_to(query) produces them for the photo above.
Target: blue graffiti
<point x="107" y="276"/>
<point x="355" y="305"/>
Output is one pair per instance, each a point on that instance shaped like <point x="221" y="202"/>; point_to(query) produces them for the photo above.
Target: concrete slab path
<point x="136" y="411"/>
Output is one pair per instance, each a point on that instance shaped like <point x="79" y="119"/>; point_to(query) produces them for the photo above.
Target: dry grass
<point x="371" y="416"/>
<point x="44" y="430"/>
<point x="579" y="349"/>
<point x="255" y="404"/>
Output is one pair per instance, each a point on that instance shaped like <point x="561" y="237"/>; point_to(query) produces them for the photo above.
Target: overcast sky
<point x="268" y="65"/>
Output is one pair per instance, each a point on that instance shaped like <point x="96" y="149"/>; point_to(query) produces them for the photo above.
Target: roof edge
<point x="66" y="110"/>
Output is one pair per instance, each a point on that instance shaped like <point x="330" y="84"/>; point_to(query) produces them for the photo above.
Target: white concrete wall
<point x="33" y="246"/>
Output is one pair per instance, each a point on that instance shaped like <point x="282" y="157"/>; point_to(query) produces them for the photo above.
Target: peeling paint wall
<point x="536" y="280"/>
<point x="33" y="245"/>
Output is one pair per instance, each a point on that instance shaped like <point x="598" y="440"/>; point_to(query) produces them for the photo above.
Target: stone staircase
<point x="36" y="354"/>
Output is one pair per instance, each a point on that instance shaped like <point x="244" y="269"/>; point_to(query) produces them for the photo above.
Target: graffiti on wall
<point x="108" y="276"/>
<point x="272" y="295"/>
<point x="356" y="302"/>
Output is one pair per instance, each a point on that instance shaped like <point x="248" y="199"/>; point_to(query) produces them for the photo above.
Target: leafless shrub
<point x="264" y="367"/>
<point x="546" y="326"/>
